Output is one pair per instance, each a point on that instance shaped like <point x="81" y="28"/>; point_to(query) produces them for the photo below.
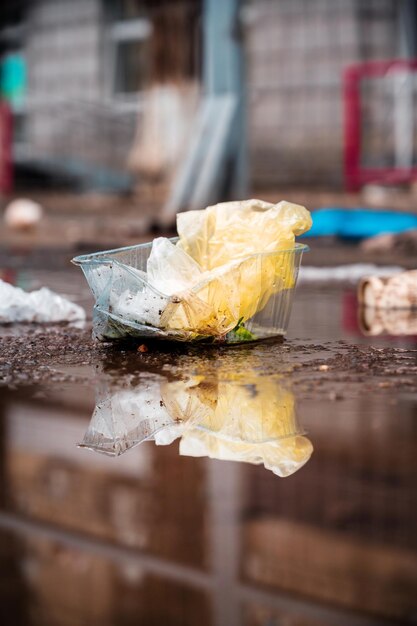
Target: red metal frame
<point x="6" y="138"/>
<point x="355" y="175"/>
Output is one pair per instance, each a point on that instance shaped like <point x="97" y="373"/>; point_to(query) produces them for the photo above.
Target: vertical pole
<point x="352" y="128"/>
<point x="224" y="482"/>
<point x="222" y="54"/>
<point x="6" y="135"/>
<point x="223" y="73"/>
<point x="407" y="35"/>
<point x="215" y="164"/>
<point x="403" y="86"/>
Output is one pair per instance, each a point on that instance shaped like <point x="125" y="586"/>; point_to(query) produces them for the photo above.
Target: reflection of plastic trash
<point x="251" y="420"/>
<point x="214" y="309"/>
<point x="41" y="306"/>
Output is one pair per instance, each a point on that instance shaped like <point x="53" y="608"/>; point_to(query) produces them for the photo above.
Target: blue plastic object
<point x="359" y="223"/>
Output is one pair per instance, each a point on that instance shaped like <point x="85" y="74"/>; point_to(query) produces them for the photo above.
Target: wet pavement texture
<point x="173" y="533"/>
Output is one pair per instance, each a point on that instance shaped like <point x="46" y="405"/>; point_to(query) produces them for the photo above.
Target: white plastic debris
<point x="170" y="269"/>
<point x="23" y="214"/>
<point x="145" y="307"/>
<point x="345" y="273"/>
<point x="41" y="306"/>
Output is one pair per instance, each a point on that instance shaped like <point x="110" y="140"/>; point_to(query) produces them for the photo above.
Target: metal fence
<point x="297" y="51"/>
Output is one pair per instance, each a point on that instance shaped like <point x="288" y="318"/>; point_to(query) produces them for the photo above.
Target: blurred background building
<point x="105" y="93"/>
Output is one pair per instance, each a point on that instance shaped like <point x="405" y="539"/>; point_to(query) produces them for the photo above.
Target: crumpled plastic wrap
<point x="229" y="261"/>
<point x="41" y="306"/>
<point x="246" y="418"/>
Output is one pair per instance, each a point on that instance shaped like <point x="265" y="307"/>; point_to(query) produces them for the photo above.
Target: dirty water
<point x="148" y="522"/>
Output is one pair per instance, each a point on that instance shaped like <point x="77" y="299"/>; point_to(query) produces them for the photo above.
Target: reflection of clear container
<point x="119" y="274"/>
<point x="249" y="418"/>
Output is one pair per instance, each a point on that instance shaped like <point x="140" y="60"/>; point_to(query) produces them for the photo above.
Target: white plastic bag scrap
<point x="170" y="269"/>
<point x="210" y="280"/>
<point x="41" y="306"/>
<point x="137" y="301"/>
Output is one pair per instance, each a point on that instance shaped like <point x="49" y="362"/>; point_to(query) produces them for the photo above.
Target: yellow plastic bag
<point x="229" y="260"/>
<point x="225" y="240"/>
<point x="232" y="230"/>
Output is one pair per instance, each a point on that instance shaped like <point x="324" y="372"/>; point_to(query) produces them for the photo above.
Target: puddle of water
<point x="157" y="522"/>
<point x="241" y="416"/>
<point x="170" y="534"/>
<point x="332" y="314"/>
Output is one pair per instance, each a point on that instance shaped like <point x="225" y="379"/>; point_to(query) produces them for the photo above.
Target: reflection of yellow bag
<point x="283" y="457"/>
<point x="233" y="279"/>
<point x="254" y="410"/>
<point x="223" y="408"/>
<point x="251" y="420"/>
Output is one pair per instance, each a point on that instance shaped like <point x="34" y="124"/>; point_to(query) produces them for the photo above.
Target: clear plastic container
<point x="117" y="276"/>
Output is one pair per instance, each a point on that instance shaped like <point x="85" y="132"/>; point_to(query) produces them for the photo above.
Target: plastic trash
<point x="41" y="306"/>
<point x="389" y="292"/>
<point x="229" y="277"/>
<point x="350" y="273"/>
<point x="388" y="304"/>
<point x="232" y="230"/>
<point x="251" y="419"/>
